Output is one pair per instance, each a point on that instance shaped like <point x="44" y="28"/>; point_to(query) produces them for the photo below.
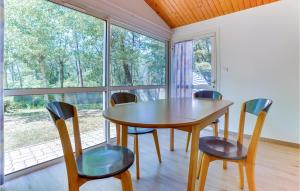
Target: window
<point x="204" y="69"/>
<point x="136" y="59"/>
<point x="53" y="53"/>
<point x="50" y="46"/>
<point x="31" y="137"/>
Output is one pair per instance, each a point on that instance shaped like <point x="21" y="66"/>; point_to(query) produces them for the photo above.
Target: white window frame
<point x="209" y="33"/>
<point x="105" y="89"/>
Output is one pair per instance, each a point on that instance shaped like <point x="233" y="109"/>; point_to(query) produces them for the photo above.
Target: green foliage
<point x="136" y="59"/>
<point x="50" y="46"/>
<point x="202" y="58"/>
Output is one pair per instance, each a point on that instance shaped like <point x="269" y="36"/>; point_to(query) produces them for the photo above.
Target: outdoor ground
<point x="32" y="138"/>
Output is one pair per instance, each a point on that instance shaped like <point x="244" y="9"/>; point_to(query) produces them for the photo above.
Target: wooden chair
<point x="124" y="97"/>
<point x="96" y="163"/>
<point x="216" y="148"/>
<point x="206" y="94"/>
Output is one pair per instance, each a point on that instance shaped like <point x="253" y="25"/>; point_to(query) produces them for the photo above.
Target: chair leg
<point x="126" y="181"/>
<point x="118" y="134"/>
<point x="171" y="139"/>
<point x="188" y="142"/>
<point x="155" y="137"/>
<point x="216" y="129"/>
<point x="199" y="164"/>
<point x="225" y="165"/>
<point x="74" y="187"/>
<point x="241" y="173"/>
<point x="203" y="171"/>
<point x="137" y="160"/>
<point x="134" y="142"/>
<point x="250" y="176"/>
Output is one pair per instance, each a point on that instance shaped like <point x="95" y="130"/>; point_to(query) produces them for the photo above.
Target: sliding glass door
<point x="53" y="53"/>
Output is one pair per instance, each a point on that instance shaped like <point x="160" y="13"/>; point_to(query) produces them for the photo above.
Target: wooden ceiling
<point x="182" y="12"/>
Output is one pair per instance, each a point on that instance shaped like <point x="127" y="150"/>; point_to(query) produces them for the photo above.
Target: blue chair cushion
<point x="139" y="131"/>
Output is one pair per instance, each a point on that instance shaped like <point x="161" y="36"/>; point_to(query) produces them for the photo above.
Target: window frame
<point x="209" y="33"/>
<point x="106" y="89"/>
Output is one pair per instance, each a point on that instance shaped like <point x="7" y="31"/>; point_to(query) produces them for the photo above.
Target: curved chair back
<point x="258" y="107"/>
<point x="208" y="94"/>
<point x="122" y="97"/>
<point x="60" y="111"/>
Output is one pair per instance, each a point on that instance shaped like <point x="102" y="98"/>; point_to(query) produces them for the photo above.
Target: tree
<point x="50" y="46"/>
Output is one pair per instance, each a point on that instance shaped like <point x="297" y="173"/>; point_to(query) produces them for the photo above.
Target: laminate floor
<point x="277" y="169"/>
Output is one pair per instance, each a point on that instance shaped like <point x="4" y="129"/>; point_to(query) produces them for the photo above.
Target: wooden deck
<point x="277" y="169"/>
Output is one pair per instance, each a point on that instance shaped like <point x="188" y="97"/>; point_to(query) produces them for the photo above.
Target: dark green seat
<point x="222" y="148"/>
<point x="104" y="162"/>
<point x="139" y="131"/>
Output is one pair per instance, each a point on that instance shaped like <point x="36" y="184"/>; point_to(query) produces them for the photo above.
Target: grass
<point x="27" y="127"/>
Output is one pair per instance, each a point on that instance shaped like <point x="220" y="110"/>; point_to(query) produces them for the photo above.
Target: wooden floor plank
<point x="277" y="169"/>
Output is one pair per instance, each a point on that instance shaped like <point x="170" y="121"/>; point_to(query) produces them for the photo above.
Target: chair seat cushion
<point x="103" y="162"/>
<point x="222" y="148"/>
<point x="138" y="131"/>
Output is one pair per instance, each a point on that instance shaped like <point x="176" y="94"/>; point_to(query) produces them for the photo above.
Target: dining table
<point x="186" y="114"/>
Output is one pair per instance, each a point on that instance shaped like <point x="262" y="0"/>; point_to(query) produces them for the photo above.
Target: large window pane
<point x="30" y="135"/>
<point x="51" y="46"/>
<point x="202" y="63"/>
<point x="136" y="59"/>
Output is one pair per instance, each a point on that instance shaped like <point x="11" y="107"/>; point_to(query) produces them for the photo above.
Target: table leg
<point x="124" y="135"/>
<point x="118" y="133"/>
<point x="193" y="158"/>
<point x="171" y="139"/>
<point x="226" y="124"/>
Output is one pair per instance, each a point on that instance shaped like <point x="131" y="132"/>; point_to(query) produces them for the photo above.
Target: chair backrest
<point x="258" y="107"/>
<point x="60" y="111"/>
<point x="208" y="94"/>
<point x="122" y="97"/>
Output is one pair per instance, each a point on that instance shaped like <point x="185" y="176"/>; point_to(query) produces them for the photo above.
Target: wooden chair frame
<point x="136" y="142"/>
<point x="215" y="127"/>
<point x="248" y="162"/>
<point x="74" y="180"/>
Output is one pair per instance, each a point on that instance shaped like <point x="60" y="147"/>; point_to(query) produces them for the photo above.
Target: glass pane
<point x="51" y="46"/>
<point x="202" y="63"/>
<point x="30" y="135"/>
<point x="143" y="95"/>
<point x="136" y="59"/>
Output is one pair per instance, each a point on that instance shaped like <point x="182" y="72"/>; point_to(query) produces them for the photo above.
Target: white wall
<point x="260" y="47"/>
<point x="132" y="13"/>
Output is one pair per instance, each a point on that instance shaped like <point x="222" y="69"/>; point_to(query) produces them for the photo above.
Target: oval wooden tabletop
<point x="171" y="113"/>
